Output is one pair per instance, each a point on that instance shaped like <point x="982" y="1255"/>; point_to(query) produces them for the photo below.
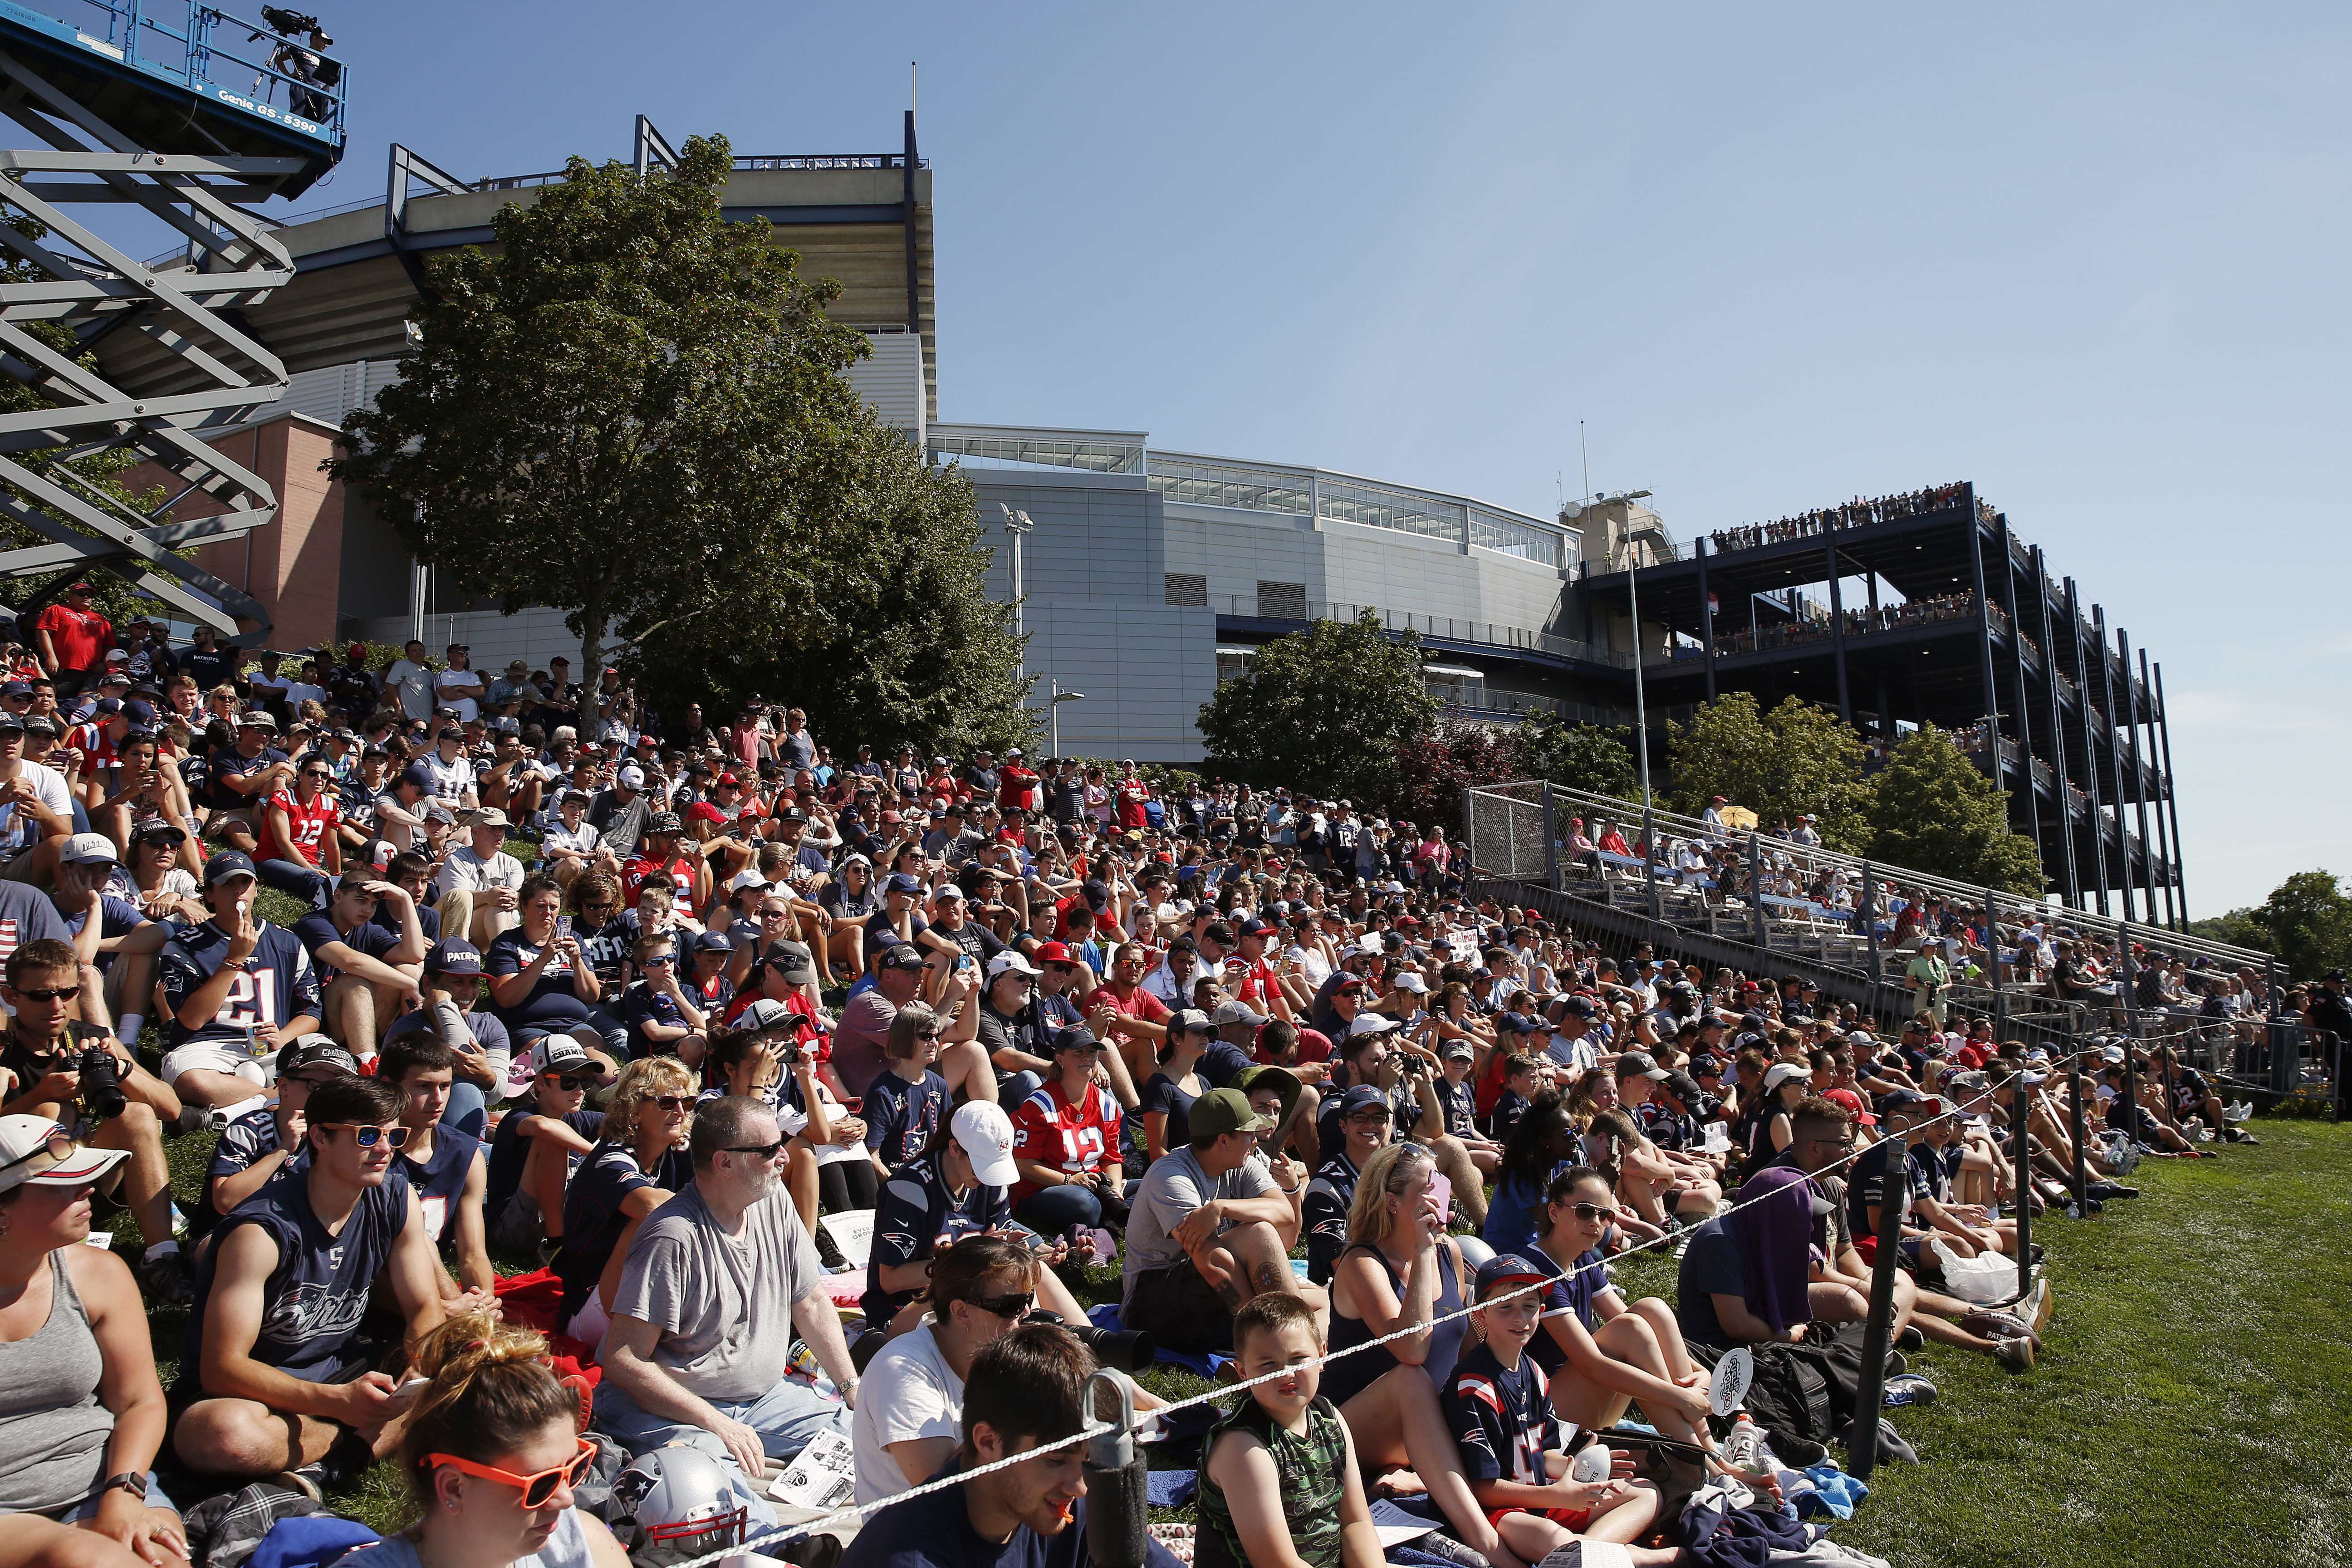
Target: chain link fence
<point x="1509" y="833"/>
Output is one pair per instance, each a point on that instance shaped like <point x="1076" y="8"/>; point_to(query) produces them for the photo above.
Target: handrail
<point x="1491" y="633"/>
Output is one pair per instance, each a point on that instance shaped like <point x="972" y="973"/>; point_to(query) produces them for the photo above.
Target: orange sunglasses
<point x="536" y="1488"/>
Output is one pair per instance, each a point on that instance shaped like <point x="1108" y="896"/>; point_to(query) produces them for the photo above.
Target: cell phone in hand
<point x="1441" y="1187"/>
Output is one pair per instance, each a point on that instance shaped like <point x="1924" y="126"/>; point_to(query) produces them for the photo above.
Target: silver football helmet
<point x="674" y="1504"/>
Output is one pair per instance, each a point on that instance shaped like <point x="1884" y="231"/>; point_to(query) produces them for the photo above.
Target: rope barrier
<point x="863" y="1511"/>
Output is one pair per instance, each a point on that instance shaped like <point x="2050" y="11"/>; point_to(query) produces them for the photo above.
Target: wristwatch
<point x="131" y="1481"/>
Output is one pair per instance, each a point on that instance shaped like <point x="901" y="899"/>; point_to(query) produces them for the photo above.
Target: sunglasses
<point x="567" y="1082"/>
<point x="1591" y="1213"/>
<point x="674" y="1101"/>
<point x="765" y="1151"/>
<point x="52" y="994"/>
<point x="662" y="960"/>
<point x="58" y="1144"/>
<point x="539" y="1488"/>
<point x="369" y="1137"/>
<point x="1011" y="1306"/>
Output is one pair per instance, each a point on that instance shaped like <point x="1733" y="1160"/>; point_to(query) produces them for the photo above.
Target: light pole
<point x="1018" y="526"/>
<point x="1056" y="697"/>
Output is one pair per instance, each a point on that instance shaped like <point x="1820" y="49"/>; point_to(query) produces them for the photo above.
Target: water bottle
<point x="1745" y="1445"/>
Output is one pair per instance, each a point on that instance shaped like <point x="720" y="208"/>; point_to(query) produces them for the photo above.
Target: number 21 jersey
<point x="274" y="985"/>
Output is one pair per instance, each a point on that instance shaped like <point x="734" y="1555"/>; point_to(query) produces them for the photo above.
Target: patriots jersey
<point x="275" y="986"/>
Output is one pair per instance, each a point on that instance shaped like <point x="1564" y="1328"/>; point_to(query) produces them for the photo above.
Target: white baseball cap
<point x="985" y="1133"/>
<point x="1011" y="959"/>
<point x="37" y="1151"/>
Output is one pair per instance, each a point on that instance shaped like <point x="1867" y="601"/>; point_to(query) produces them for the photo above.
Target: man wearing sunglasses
<point x="683" y="1360"/>
<point x="40" y="1076"/>
<point x="275" y="1379"/>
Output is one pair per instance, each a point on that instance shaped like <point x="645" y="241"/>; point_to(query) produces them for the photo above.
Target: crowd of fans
<point x="758" y="1004"/>
<point x="1856" y="513"/>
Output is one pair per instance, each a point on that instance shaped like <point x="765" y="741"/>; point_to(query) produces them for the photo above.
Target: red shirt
<point x="1132" y="794"/>
<point x="1072" y="1139"/>
<point x="96" y="751"/>
<point x="1137" y="1004"/>
<point x="1258" y="986"/>
<point x="80" y="636"/>
<point x="634" y="875"/>
<point x="310" y="824"/>
<point x="1015" y="789"/>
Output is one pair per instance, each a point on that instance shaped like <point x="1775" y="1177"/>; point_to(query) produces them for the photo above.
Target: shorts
<point x="1179" y="1309"/>
<point x="211" y="1057"/>
<point x="82" y="1512"/>
<point x="1573" y="1519"/>
<point x="519" y="1227"/>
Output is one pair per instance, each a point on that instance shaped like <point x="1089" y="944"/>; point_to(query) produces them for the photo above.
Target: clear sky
<point x="2092" y="257"/>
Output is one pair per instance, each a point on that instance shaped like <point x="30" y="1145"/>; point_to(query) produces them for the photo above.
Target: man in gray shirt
<point x="696" y="1353"/>
<point x="1208" y="1230"/>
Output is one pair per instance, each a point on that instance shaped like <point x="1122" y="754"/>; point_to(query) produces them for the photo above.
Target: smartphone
<point x="414" y="1386"/>
<point x="562" y="928"/>
<point x="1441" y="1187"/>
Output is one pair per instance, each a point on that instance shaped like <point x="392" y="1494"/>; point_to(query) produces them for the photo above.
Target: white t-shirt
<point x="580" y="842"/>
<point x="47" y="783"/>
<point x="464" y="868"/>
<point x="908" y="1393"/>
<point x="415" y="684"/>
<point x="449" y="680"/>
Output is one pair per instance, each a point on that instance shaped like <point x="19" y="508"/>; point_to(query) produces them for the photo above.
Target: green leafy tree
<point x="1322" y="710"/>
<point x="1574" y="756"/>
<point x="2239" y="928"/>
<point x="1934" y="811"/>
<point x="635" y="412"/>
<point x="2309" y="919"/>
<point x="1797" y="757"/>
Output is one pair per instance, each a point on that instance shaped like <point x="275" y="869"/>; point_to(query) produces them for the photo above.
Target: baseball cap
<point x="107" y="706"/>
<point x="1055" y="953"/>
<point x="1192" y="1020"/>
<point x="314" y="1051"/>
<point x="985" y="1133"/>
<point x="37" y="1152"/>
<point x="902" y="956"/>
<point x="1363" y="1097"/>
<point x="416" y="773"/>
<point x="155" y="829"/>
<point x="1682" y="1086"/>
<point x="795" y="962"/>
<point x="900" y="882"/>
<point x="1505" y="1271"/>
<point x="767" y="1013"/>
<point x="631" y="777"/>
<point x="453" y="955"/>
<point x="559" y="1053"/>
<point x="1517" y="1024"/>
<point x="1414" y="983"/>
<point x="227" y="863"/>
<point x="664" y="822"/>
<point x="1459" y="1051"/>
<point x="948" y="893"/>
<point x="1010" y="962"/>
<point x="1219" y="1111"/>
<point x="711" y="942"/>
<point x="1640" y="1064"/>
<point x="89" y="849"/>
<point x="1237" y="1013"/>
<point x="489" y="817"/>
<point x="1075" y="1039"/>
<point x="1779" y="1073"/>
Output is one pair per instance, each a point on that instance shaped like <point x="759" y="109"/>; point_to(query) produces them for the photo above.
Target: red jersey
<point x="634" y="875"/>
<point x="80" y="636"/>
<point x="1132" y="794"/>
<point x="1072" y="1139"/>
<point x="89" y="740"/>
<point x="1258" y="986"/>
<point x="1137" y="1004"/>
<point x="309" y="826"/>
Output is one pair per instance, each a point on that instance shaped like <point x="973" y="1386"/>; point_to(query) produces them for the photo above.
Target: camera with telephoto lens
<point x="1130" y="1349"/>
<point x="101" y="1083"/>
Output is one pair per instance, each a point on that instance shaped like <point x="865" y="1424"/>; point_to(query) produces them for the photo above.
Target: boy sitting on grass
<point x="1278" y="1481"/>
<point x="1500" y="1409"/>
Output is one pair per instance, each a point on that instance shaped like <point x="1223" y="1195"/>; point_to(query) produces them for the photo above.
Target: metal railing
<point x="1487" y="634"/>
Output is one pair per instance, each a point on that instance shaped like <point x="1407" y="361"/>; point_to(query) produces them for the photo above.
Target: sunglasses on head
<point x="367" y="1137"/>
<point x="539" y="1488"/>
<point x="58" y="1144"/>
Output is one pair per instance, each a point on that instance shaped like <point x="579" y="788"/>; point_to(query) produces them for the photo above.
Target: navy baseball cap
<point x="1363" y="1097"/>
<point x="418" y="774"/>
<point x="1503" y="1272"/>
<point x="227" y="863"/>
<point x="900" y="882"/>
<point x="453" y="955"/>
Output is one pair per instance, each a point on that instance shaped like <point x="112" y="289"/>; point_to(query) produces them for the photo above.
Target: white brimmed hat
<point x="37" y="1151"/>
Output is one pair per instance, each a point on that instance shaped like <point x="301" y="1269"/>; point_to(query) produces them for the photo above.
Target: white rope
<point x="863" y="1512"/>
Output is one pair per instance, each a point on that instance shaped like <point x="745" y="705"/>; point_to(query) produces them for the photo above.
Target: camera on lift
<point x="289" y="24"/>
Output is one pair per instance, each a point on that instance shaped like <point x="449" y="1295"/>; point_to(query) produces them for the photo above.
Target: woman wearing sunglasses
<point x="491" y="1456"/>
<point x="81" y="1412"/>
<point x="1599" y="1353"/>
<point x="637" y="1164"/>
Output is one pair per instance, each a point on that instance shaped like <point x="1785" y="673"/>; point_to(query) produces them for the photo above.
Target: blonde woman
<point x="491" y="1454"/>
<point x="639" y="1163"/>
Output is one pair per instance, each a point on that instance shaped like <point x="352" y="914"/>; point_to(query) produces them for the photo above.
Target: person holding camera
<point x="79" y="1075"/>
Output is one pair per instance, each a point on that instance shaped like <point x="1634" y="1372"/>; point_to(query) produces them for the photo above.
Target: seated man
<point x="238" y="987"/>
<point x="40" y="1075"/>
<point x="446" y="1168"/>
<point x="1208" y="1230"/>
<point x="364" y="972"/>
<point x="537" y="1148"/>
<point x="450" y="995"/>
<point x="258" y="1144"/>
<point x="480" y="883"/>
<point x="114" y="939"/>
<point x="274" y="1379"/>
<point x="697" y="1352"/>
<point x="1025" y="1390"/>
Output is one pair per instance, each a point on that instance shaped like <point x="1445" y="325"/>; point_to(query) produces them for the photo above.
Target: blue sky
<point x="2091" y="257"/>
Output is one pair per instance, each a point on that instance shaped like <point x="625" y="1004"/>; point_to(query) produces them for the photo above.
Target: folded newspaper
<point x="824" y="1476"/>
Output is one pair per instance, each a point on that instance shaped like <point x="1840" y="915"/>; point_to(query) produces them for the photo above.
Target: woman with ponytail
<point x="491" y="1453"/>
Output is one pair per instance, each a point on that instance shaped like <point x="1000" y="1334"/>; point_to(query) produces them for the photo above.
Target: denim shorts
<point x="85" y="1511"/>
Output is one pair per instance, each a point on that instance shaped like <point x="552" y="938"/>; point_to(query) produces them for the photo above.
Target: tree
<point x="1796" y="759"/>
<point x="635" y="412"/>
<point x="2309" y="919"/>
<point x="1432" y="772"/>
<point x="1934" y="811"/>
<point x="2243" y="927"/>
<point x="901" y="645"/>
<point x="1322" y="710"/>
<point x="1575" y="757"/>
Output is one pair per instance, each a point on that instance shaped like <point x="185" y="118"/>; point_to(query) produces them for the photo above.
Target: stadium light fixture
<point x="1056" y="697"/>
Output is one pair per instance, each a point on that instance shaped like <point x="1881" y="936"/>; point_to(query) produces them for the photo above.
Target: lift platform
<point x="196" y="116"/>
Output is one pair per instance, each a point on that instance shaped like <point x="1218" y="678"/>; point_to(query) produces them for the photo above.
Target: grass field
<point x="2193" y="1405"/>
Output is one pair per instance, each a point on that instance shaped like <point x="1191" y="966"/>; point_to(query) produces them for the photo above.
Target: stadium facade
<point x="1148" y="575"/>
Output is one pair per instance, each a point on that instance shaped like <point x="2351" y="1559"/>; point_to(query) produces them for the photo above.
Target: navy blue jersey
<point x="642" y="1004"/>
<point x="607" y="949"/>
<point x="243" y="1143"/>
<point x="1501" y="1418"/>
<point x="1510" y="1106"/>
<point x="508" y="1152"/>
<point x="592" y="1221"/>
<point x="427" y="916"/>
<point x="1323" y="1215"/>
<point x="275" y="984"/>
<point x="916" y="1209"/>
<point x="316" y="1294"/>
<point x="1458" y="1103"/>
<point x="440" y="1182"/>
<point x="552" y="1001"/>
<point x="315" y="930"/>
<point x="1571" y="1294"/>
<point x="901" y="1116"/>
<point x="1866" y="1183"/>
<point x="1220" y="1062"/>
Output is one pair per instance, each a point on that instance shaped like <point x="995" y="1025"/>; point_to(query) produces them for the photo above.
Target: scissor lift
<point x="190" y="114"/>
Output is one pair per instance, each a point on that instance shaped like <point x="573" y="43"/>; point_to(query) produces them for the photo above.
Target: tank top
<point x="1312" y="1475"/>
<point x="53" y="1430"/>
<point x="440" y="1182"/>
<point x="1345" y="1378"/>
<point x="567" y="1548"/>
<point x="316" y="1296"/>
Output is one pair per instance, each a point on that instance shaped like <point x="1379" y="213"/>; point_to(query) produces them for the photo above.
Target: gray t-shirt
<point x="723" y="1303"/>
<point x="1172" y="1188"/>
